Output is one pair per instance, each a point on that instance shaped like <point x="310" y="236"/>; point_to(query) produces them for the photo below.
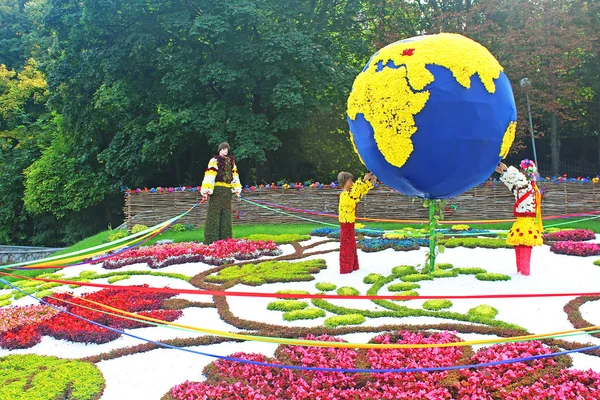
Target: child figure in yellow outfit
<point x="352" y="192"/>
<point x="526" y="232"/>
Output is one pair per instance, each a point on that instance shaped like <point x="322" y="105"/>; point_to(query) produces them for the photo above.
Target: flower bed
<point x="580" y="249"/>
<point x="217" y="253"/>
<point x="379" y="244"/>
<point x="534" y="379"/>
<point x="571" y="235"/>
<point x="27" y="331"/>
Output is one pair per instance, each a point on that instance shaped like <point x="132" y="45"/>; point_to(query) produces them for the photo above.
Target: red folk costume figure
<point x="526" y="232"/>
<point x="351" y="195"/>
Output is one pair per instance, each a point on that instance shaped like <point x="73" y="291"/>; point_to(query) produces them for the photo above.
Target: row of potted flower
<point x="318" y="185"/>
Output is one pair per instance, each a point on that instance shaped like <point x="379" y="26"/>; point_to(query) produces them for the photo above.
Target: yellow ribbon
<point x="538" y="206"/>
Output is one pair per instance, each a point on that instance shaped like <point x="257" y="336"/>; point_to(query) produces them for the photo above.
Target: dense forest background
<point x="100" y="95"/>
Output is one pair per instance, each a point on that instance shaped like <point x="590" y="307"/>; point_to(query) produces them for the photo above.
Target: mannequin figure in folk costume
<point x="351" y="194"/>
<point x="221" y="179"/>
<point x="526" y="232"/>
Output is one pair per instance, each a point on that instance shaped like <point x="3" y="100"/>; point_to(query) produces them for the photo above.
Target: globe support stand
<point x="432" y="239"/>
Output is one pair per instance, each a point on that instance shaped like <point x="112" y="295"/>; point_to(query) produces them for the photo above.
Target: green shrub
<point x="347" y="291"/>
<point x="286" y="305"/>
<point x="483" y="311"/>
<point x="597" y="262"/>
<point x="470" y="271"/>
<point x="177" y="228"/>
<point x="189" y="227"/>
<point x="440" y="273"/>
<point x="44" y="293"/>
<point x="116" y="235"/>
<point x="402" y="287"/>
<point x="307" y="313"/>
<point x="348" y="319"/>
<point x="416" y="278"/>
<point x="404" y="270"/>
<point x="4" y="303"/>
<point x="326" y="286"/>
<point x="280" y="239"/>
<point x="138" y="228"/>
<point x="444" y="266"/>
<point x="407" y="293"/>
<point x="372" y="278"/>
<point x="435" y="305"/>
<point x="117" y="278"/>
<point x="489" y="276"/>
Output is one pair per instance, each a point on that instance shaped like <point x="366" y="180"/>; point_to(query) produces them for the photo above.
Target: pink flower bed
<point x="217" y="253"/>
<point x="581" y="249"/>
<point x="574" y="235"/>
<point x="536" y="379"/>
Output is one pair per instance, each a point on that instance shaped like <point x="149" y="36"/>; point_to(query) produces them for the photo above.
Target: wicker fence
<point x="482" y="203"/>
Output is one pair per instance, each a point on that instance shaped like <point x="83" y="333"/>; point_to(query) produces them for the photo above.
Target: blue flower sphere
<point x="432" y="116"/>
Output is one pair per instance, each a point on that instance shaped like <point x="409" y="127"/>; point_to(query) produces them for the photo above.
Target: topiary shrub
<point x="440" y="273"/>
<point x="404" y="270"/>
<point x="347" y="291"/>
<point x="117" y="278"/>
<point x="444" y="266"/>
<point x="407" y="293"/>
<point x="489" y="276"/>
<point x="402" y="287"/>
<point x="307" y="313"/>
<point x="286" y="305"/>
<point x="325" y="286"/>
<point x="348" y="319"/>
<point x="483" y="311"/>
<point x="291" y="291"/>
<point x="470" y="271"/>
<point x="436" y="305"/>
<point x="372" y="278"/>
<point x="416" y="278"/>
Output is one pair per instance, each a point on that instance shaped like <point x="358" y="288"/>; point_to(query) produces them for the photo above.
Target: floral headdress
<point x="528" y="167"/>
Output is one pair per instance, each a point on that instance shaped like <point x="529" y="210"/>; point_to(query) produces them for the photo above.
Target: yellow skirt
<point x="525" y="232"/>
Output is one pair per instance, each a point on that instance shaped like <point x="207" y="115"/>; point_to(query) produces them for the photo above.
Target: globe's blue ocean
<point x="458" y="138"/>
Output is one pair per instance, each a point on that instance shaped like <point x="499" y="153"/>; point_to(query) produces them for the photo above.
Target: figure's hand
<point x="239" y="196"/>
<point x="204" y="197"/>
<point x="501" y="168"/>
<point x="373" y="179"/>
<point x="368" y="176"/>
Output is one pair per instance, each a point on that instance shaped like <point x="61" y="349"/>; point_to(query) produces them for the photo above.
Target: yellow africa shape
<point x="508" y="139"/>
<point x="387" y="100"/>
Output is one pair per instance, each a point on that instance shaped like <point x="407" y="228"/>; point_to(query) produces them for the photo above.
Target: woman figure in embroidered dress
<point x="352" y="192"/>
<point x="526" y="232"/>
<point x="220" y="180"/>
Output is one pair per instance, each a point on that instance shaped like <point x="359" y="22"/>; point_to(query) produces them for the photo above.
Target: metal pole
<point x="531" y="130"/>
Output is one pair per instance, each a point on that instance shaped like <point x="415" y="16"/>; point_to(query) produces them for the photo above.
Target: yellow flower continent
<point x="387" y="98"/>
<point x="507" y="140"/>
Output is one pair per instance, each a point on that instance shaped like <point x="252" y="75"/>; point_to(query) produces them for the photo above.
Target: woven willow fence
<point x="480" y="203"/>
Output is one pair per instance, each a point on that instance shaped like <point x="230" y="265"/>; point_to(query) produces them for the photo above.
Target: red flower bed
<point x="218" y="253"/>
<point x="580" y="249"/>
<point x="536" y="379"/>
<point x="68" y="327"/>
<point x="574" y="235"/>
